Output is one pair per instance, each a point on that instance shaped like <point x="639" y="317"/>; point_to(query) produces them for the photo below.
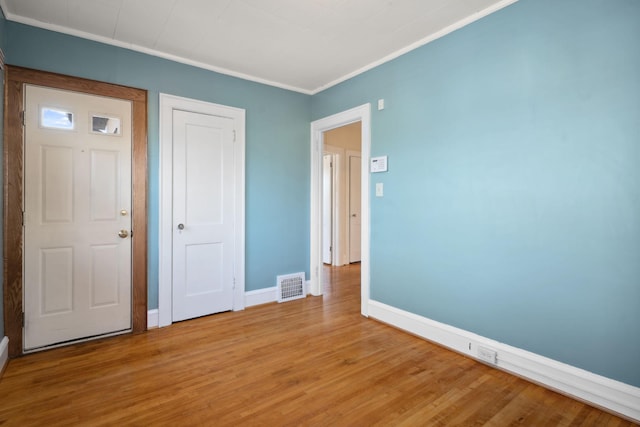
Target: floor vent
<point x="290" y="287"/>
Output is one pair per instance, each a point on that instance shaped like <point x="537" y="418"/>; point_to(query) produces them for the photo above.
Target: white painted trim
<point x="266" y="295"/>
<point x="106" y="40"/>
<point x="595" y="389"/>
<point x="168" y="103"/>
<point x="4" y="8"/>
<point x="318" y="127"/>
<point x="338" y="255"/>
<point x="261" y="296"/>
<point x="4" y="354"/>
<point x="432" y="37"/>
<point x="152" y="318"/>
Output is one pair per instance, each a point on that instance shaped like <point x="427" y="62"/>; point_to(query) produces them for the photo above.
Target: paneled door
<point x="203" y="214"/>
<point x="77" y="216"/>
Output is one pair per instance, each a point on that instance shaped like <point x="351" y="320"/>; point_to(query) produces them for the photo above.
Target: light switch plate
<point x="379" y="189"/>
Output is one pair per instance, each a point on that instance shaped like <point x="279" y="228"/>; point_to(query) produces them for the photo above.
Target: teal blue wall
<point x="277" y="129"/>
<point x="512" y="201"/>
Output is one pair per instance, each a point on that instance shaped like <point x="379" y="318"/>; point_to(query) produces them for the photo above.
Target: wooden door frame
<point x="15" y="80"/>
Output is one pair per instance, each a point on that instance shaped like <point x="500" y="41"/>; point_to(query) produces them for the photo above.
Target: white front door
<point x="355" y="169"/>
<point x="203" y="214"/>
<point x="327" y="209"/>
<point x="77" y="216"/>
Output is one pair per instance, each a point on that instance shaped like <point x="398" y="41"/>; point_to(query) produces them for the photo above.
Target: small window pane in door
<point x="105" y="125"/>
<point x="55" y="118"/>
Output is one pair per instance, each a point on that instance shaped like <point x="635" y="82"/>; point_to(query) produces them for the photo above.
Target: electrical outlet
<point x="487" y="355"/>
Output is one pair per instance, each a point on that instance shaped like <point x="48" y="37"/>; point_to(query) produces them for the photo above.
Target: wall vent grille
<point x="290" y="287"/>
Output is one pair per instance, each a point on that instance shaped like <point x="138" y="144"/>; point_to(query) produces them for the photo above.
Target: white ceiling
<point x="302" y="45"/>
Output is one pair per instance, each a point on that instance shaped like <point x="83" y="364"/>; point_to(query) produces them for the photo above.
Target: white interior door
<point x="203" y="214"/>
<point x="327" y="208"/>
<point x="355" y="168"/>
<point x="77" y="216"/>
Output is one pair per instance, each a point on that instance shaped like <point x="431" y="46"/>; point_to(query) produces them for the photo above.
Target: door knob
<point x="123" y="233"/>
<point x="180" y="226"/>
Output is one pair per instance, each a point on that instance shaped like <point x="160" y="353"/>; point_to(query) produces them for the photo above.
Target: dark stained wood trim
<point x="139" y="194"/>
<point x="12" y="223"/>
<point x="15" y="79"/>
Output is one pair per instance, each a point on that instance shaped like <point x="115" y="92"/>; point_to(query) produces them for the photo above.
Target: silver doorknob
<point x="180" y="226"/>
<point x="123" y="233"/>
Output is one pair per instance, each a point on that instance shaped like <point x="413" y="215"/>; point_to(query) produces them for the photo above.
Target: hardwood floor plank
<point x="309" y="362"/>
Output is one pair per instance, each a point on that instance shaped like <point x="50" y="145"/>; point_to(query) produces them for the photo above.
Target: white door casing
<point x="318" y="127"/>
<point x="202" y="214"/>
<point x="355" y="173"/>
<point x="339" y="213"/>
<point x="197" y="252"/>
<point x="327" y="209"/>
<point x="77" y="198"/>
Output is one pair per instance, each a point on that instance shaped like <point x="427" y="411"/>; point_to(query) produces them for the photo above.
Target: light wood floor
<point x="312" y="362"/>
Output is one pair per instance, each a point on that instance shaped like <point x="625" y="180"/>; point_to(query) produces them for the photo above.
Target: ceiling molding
<point x="447" y="30"/>
<point x="141" y="49"/>
<point x="4" y="9"/>
<point x="109" y="41"/>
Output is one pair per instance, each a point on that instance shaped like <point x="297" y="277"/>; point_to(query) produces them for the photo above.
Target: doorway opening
<point x="341" y="189"/>
<point x="320" y="129"/>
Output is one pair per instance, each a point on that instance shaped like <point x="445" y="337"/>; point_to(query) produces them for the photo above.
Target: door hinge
<point x="23" y="319"/>
<point x="234" y="283"/>
<point x="234" y="135"/>
<point x="22" y="117"/>
<point x="22" y="213"/>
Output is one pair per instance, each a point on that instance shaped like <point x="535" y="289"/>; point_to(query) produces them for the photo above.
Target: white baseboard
<point x="4" y="354"/>
<point x="266" y="295"/>
<point x="152" y="319"/>
<point x="251" y="298"/>
<point x="595" y="389"/>
<point x="261" y="296"/>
